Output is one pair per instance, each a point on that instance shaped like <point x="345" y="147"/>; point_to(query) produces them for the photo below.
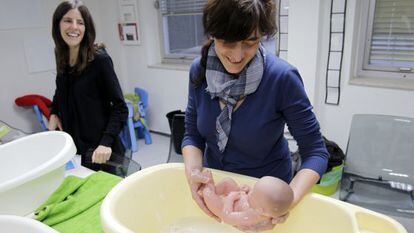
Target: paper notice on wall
<point x="39" y="53"/>
<point x="332" y="95"/>
<point x="333" y="78"/>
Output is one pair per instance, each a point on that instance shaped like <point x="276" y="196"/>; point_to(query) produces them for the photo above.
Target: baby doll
<point x="243" y="206"/>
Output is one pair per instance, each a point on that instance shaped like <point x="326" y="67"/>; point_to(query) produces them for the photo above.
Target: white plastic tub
<point x="31" y="168"/>
<point x="17" y="224"/>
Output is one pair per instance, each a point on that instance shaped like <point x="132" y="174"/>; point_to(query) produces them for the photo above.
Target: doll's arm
<point x="226" y="186"/>
<point x="245" y="188"/>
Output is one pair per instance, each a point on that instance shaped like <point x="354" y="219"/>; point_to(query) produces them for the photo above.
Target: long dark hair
<point x="235" y="20"/>
<point x="87" y="48"/>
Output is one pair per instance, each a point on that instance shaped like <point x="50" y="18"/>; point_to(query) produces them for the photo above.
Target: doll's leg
<point x="229" y="200"/>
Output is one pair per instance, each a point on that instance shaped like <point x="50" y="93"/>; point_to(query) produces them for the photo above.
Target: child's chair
<point x="39" y="116"/>
<point x="128" y="134"/>
<point x="40" y="106"/>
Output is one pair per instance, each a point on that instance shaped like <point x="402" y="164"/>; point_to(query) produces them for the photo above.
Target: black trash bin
<point x="176" y="122"/>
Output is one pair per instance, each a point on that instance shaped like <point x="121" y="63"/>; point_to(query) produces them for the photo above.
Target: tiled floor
<point x="155" y="153"/>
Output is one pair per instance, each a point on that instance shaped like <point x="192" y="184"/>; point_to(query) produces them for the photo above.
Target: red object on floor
<point x="42" y="102"/>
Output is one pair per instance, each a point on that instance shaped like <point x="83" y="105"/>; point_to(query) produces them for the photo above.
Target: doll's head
<point x="271" y="196"/>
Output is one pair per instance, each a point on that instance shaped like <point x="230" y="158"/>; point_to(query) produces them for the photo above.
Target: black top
<point x="91" y="105"/>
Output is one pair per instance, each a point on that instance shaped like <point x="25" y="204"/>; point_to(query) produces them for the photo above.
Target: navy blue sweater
<point x="256" y="145"/>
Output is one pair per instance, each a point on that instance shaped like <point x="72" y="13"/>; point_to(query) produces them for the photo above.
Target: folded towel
<point x="4" y="130"/>
<point x="135" y="100"/>
<point x="74" y="206"/>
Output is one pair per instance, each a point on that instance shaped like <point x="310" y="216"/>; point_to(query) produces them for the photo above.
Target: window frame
<point x="185" y="59"/>
<point x="188" y="58"/>
<point x="374" y="75"/>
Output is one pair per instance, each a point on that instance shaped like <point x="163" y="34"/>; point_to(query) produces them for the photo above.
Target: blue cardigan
<point x="256" y="145"/>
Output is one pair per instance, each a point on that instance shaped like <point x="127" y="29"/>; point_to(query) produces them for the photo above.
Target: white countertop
<point x="79" y="170"/>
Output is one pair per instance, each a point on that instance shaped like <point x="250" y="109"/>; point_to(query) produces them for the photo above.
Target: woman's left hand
<point x="258" y="227"/>
<point x="101" y="154"/>
<point x="265" y="225"/>
<point x="280" y="219"/>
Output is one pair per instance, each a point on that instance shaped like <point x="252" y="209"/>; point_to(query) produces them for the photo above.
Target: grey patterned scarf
<point x="230" y="90"/>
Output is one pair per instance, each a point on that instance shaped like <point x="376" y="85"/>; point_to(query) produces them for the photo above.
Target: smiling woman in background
<point x="88" y="102"/>
<point x="240" y="99"/>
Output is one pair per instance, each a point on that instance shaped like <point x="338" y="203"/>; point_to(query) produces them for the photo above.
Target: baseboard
<point x="160" y="133"/>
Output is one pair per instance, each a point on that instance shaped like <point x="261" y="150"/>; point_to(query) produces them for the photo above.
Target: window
<point x="182" y="30"/>
<point x="391" y="36"/>
<point x="387" y="38"/>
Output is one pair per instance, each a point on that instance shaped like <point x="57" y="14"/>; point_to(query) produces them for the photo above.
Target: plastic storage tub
<point x="31" y="168"/>
<point x="329" y="182"/>
<point x="17" y="224"/>
<point x="157" y="199"/>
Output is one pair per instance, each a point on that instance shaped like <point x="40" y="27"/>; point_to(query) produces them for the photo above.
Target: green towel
<point x="4" y="130"/>
<point x="133" y="99"/>
<point x="74" y="206"/>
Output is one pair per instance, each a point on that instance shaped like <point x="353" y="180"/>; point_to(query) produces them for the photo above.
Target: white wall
<point x="308" y="50"/>
<point x="303" y="41"/>
<point x="15" y="79"/>
<point x="105" y="18"/>
<point x="167" y="88"/>
<point x="308" y="40"/>
<point x="336" y="120"/>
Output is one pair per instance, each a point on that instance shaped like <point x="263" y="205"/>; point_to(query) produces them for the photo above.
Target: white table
<point x="79" y="170"/>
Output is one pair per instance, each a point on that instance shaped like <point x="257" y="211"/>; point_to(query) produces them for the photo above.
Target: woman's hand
<point x="54" y="122"/>
<point x="245" y="188"/>
<point x="280" y="219"/>
<point x="101" y="154"/>
<point x="193" y="160"/>
<point x="196" y="179"/>
<point x="265" y="225"/>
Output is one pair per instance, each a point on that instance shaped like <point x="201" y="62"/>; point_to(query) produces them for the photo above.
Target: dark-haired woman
<point x="88" y="102"/>
<point x="241" y="97"/>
